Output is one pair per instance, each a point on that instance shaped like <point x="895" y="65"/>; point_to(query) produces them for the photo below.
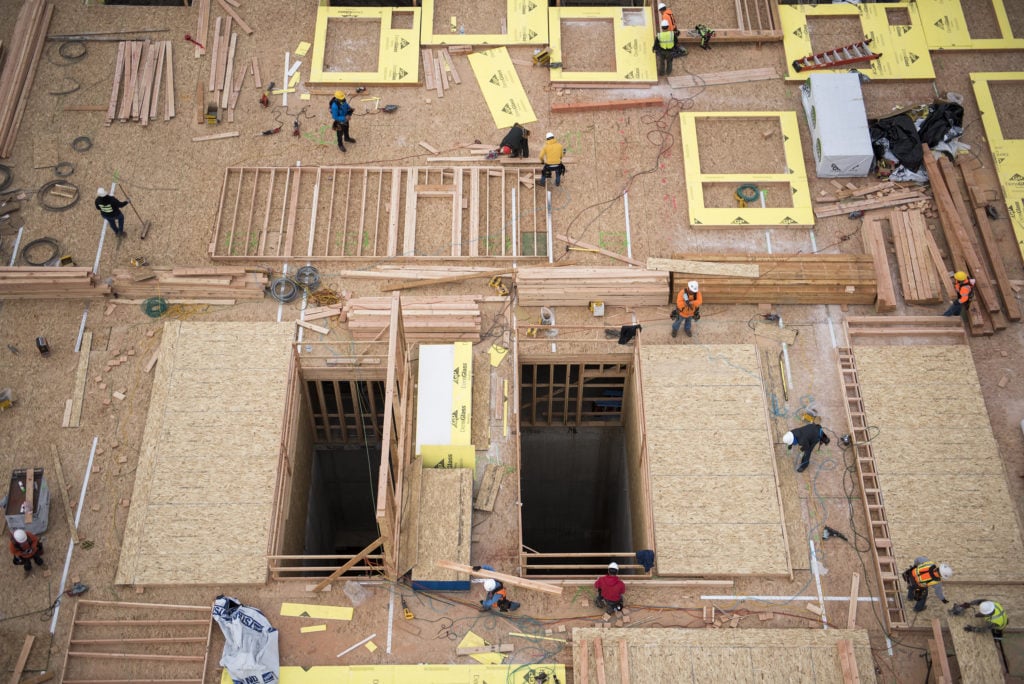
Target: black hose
<point x="35" y="243"/>
<point x="72" y="50"/>
<point x="284" y="289"/>
<point x="63" y="169"/>
<point x="82" y="143"/>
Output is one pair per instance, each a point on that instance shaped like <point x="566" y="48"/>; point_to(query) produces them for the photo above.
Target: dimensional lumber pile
<point x="578" y="286"/>
<point x="49" y="282"/>
<point x="23" y="54"/>
<point x="139" y="75"/>
<point x="875" y="247"/>
<point x="916" y="254"/>
<point x="425" y="319"/>
<point x="875" y="198"/>
<point x="787" y="279"/>
<point x="216" y="282"/>
<point x="439" y="70"/>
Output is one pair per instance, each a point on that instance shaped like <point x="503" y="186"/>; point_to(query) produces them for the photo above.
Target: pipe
<point x="71" y="547"/>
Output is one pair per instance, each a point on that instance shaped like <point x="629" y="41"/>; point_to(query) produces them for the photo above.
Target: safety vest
<point x="666" y="40"/>
<point x="106" y="207"/>
<point x="926" y="574"/>
<point x="964" y="290"/>
<point x="998" y="617"/>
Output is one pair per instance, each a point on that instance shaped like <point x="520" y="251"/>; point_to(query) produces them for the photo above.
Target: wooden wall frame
<point x="398" y="52"/>
<point x="757" y="21"/>
<point x="563" y="403"/>
<point x="363" y="213"/>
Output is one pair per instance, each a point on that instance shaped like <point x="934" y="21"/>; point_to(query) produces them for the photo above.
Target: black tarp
<point x="904" y="141"/>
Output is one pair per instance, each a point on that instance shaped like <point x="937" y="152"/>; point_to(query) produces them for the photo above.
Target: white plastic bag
<point x="250" y="643"/>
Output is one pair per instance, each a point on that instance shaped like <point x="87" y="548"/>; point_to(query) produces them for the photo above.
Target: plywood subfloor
<point x="209" y="456"/>
<point x="935" y="451"/>
<point x="446" y="523"/>
<point x="714" y="487"/>
<point x="722" y="655"/>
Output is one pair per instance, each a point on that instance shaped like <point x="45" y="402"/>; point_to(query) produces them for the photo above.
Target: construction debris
<point x="425" y="319"/>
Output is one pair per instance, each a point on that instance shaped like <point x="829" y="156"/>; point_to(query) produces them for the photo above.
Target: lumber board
<point x="30" y="494"/>
<point x="450" y="65"/>
<point x="428" y="69"/>
<point x="490" y="484"/>
<point x="940" y="644"/>
<point x="999" y="273"/>
<point x="599" y="661"/>
<point x="893" y="199"/>
<point x="594" y="248"/>
<point x="723" y="77"/>
<point x="234" y="15"/>
<point x="874" y="245"/>
<point x="490" y="648"/>
<point x="847" y="661"/>
<point x="19" y="666"/>
<point x="351" y="563"/>
<point x="256" y="71"/>
<point x="315" y="328"/>
<point x="851" y="618"/>
<point x="81" y="375"/>
<point x="65" y="495"/>
<point x="118" y="75"/>
<point x="449" y="279"/>
<point x="510" y="580"/>
<point x="216" y="136"/>
<point x="607" y="105"/>
<point x="697" y="267"/>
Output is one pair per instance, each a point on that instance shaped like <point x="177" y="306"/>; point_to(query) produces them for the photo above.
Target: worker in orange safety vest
<point x="687" y="309"/>
<point x="26" y="548"/>
<point x="963" y="286"/>
<point x="922" y="576"/>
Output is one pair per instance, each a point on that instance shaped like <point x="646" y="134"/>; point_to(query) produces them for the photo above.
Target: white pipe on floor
<point x="817" y="582"/>
<point x="391" y="616"/>
<point x="17" y="243"/>
<point x="547" y="211"/>
<point x="832" y="332"/>
<point x="71" y="547"/>
<point x="81" y="330"/>
<point x="779" y="599"/>
<point x="629" y="241"/>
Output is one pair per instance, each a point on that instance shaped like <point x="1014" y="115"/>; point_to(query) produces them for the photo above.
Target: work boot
<point x="542" y="182"/>
<point x="689" y="333"/>
<point x="341" y="146"/>
<point x="675" y="333"/>
<point x="349" y="139"/>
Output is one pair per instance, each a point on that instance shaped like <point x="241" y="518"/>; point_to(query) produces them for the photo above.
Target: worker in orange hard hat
<point x="963" y="286"/>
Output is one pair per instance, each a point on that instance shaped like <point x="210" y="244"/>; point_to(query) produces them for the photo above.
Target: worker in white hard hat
<point x="26" y="548"/>
<point x="610" y="590"/>
<point x="110" y="209"/>
<point x="496" y="594"/>
<point x="341" y="112"/>
<point x="922" y="576"/>
<point x="687" y="308"/>
<point x="806" y="437"/>
<point x="665" y="14"/>
<point x="993" y="613"/>
<point x="551" y="156"/>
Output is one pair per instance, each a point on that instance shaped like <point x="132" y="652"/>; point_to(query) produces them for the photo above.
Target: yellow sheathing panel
<point x="1008" y="154"/>
<point x="503" y="91"/>
<point x="697" y="528"/>
<point x="634" y="60"/>
<point x="314" y="611"/>
<point x="800" y="214"/>
<point x="945" y="27"/>
<point x="414" y="674"/>
<point x="904" y="48"/>
<point x="398" y="55"/>
<point x="526" y="20"/>
<point x="462" y="394"/>
<point x="448" y="456"/>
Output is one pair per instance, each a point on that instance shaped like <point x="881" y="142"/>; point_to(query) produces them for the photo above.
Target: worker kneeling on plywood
<point x="610" y="590"/>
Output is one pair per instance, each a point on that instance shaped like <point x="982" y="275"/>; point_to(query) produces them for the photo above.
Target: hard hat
<point x="490" y="585"/>
<point x="505" y="149"/>
<point x="661" y="6"/>
<point x="549" y="136"/>
<point x="664" y="23"/>
<point x="101" y="192"/>
<point x="987" y="608"/>
<point x="788" y="439"/>
<point x="340" y="94"/>
<point x="692" y="286"/>
<point x="20" y="536"/>
<point x="945" y="572"/>
<point x="960" y="275"/>
<point x="613" y="566"/>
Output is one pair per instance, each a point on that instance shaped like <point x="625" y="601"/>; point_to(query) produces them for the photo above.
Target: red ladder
<point x="840" y="57"/>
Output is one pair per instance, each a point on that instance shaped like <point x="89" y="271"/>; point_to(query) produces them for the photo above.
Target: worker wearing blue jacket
<point x="341" y="112"/>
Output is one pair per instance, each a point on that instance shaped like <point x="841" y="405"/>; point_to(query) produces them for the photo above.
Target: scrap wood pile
<point x="850" y="198"/>
<point x="49" y="282"/>
<point x="439" y="70"/>
<point x="142" y="70"/>
<point x="580" y="285"/>
<point x="921" y="271"/>
<point x="962" y="198"/>
<point x="424" y="319"/>
<point x="23" y="53"/>
<point x="783" y="278"/>
<point x="217" y="282"/>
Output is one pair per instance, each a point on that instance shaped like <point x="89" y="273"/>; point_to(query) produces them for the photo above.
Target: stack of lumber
<point x="19" y="72"/>
<point x="786" y="279"/>
<point x="139" y="76"/>
<point x="580" y="285"/>
<point x="917" y="256"/>
<point x="424" y="319"/>
<point x="49" y="282"/>
<point x="217" y="282"/>
<point x="439" y="70"/>
<point x="878" y="196"/>
<point x="874" y="246"/>
<point x="966" y="231"/>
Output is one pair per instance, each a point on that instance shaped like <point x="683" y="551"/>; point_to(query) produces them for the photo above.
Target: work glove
<point x="696" y="314"/>
<point x="476" y="568"/>
<point x="674" y="315"/>
<point x="958" y="609"/>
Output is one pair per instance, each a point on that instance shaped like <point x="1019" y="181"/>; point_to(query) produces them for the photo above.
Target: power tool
<point x="705" y="34"/>
<point x="405" y="611"/>
<point x="829" y="532"/>
<point x="295" y="129"/>
<point x="265" y="96"/>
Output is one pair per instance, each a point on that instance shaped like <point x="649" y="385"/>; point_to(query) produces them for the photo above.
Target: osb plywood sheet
<point x="723" y="655"/>
<point x="976" y="653"/>
<point x="446" y="523"/>
<point x="708" y="447"/>
<point x="935" y="444"/>
<point x="209" y="456"/>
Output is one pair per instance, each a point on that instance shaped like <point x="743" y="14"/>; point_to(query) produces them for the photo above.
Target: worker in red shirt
<point x="610" y="590"/>
<point x="26" y="547"/>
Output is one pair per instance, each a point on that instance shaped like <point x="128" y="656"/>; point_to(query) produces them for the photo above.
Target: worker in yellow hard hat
<point x="341" y="112"/>
<point x="963" y="287"/>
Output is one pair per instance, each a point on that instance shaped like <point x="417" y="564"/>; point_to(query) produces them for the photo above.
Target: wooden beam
<point x="510" y="580"/>
<point x="234" y="15"/>
<point x="565" y="108"/>
<point x="19" y="667"/>
<point x="623" y="661"/>
<point x="490" y="648"/>
<point x="215" y="136"/>
<point x="78" y="395"/>
<point x="450" y="279"/>
<point x="851" y="618"/>
<point x="599" y="661"/>
<point x="64" y="496"/>
<point x="30" y="485"/>
<point x="594" y="248"/>
<point x="315" y="328"/>
<point x="709" y="267"/>
<point x="847" y="661"/>
<point x="940" y="647"/>
<point x="350" y="564"/>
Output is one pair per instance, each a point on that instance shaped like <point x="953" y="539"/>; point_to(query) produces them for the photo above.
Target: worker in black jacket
<point x="807" y="437"/>
<point x="110" y="209"/>
<point x="516" y="142"/>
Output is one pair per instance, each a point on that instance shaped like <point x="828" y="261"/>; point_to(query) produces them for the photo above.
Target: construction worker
<point x="551" y="157"/>
<point x="921" y="576"/>
<point x="807" y="437"/>
<point x="610" y="590"/>
<point x="516" y="142"/>
<point x="110" y="209"/>
<point x="687" y="309"/>
<point x="496" y="593"/>
<point x="665" y="14"/>
<point x="993" y="612"/>
<point x="963" y="286"/>
<point x="26" y="547"/>
<point x="341" y="112"/>
<point x="665" y="48"/>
